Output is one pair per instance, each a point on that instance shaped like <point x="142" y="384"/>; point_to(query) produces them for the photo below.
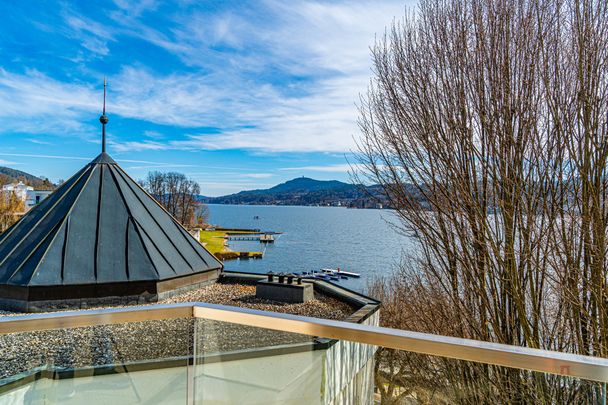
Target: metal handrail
<point x="585" y="367"/>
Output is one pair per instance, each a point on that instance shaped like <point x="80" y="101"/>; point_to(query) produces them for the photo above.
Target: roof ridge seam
<point x="135" y="226"/>
<point x="66" y="240"/>
<point x="179" y="225"/>
<point x="152" y="216"/>
<point x="6" y="234"/>
<point x="192" y="241"/>
<point x="157" y="224"/>
<point x="53" y="232"/>
<point x="183" y="230"/>
<point x="140" y="231"/>
<point x="98" y="221"/>
<point x="67" y="213"/>
<point x="45" y="215"/>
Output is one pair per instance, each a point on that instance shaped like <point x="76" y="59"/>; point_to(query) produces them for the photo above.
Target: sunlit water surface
<point x="360" y="241"/>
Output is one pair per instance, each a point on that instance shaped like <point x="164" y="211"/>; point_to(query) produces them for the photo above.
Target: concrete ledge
<point x="147" y="292"/>
<point x="77" y="303"/>
<point x="283" y="292"/>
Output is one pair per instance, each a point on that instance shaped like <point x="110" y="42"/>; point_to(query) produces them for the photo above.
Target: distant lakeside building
<point x="27" y="194"/>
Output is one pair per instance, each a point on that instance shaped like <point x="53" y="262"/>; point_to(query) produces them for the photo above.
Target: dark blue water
<point x="361" y="241"/>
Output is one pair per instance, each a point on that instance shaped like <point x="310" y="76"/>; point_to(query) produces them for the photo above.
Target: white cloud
<point x="38" y="141"/>
<point x="338" y="168"/>
<point x="92" y="35"/>
<point x="326" y="44"/>
<point x="44" y="156"/>
<point x="305" y="38"/>
<point x="257" y="175"/>
<point x="32" y="102"/>
<point x="136" y="8"/>
<point x="135" y="145"/>
<point x="159" y="166"/>
<point x="61" y="157"/>
<point x="153" y="134"/>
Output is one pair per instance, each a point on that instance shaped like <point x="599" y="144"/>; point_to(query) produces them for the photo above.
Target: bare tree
<point x="177" y="194"/>
<point x="202" y="215"/>
<point x="577" y="98"/>
<point x="495" y="113"/>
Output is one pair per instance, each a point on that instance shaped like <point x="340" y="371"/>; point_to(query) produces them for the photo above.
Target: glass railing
<point x="213" y="354"/>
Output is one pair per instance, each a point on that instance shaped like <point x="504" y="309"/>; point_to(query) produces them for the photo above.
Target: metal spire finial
<point x="103" y="119"/>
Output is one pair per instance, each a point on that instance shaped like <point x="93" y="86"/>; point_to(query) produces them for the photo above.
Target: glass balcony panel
<point x="263" y="366"/>
<point x="202" y="361"/>
<point x="131" y="363"/>
<point x="236" y="364"/>
<point x="405" y="377"/>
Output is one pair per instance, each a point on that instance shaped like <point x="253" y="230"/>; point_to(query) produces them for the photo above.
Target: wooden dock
<point x="262" y="238"/>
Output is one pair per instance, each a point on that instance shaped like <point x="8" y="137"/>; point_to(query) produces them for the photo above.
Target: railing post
<point x="191" y="365"/>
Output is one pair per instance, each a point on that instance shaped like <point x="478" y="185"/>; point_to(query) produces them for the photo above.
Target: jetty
<point x="263" y="238"/>
<point x="338" y="272"/>
<point x="328" y="274"/>
<point x="216" y="239"/>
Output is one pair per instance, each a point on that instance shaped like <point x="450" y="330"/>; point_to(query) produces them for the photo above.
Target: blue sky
<point x="237" y="95"/>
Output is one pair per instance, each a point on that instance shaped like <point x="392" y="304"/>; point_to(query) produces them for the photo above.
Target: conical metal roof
<point x="99" y="234"/>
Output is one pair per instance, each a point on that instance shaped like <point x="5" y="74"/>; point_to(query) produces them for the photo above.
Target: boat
<point x="341" y="273"/>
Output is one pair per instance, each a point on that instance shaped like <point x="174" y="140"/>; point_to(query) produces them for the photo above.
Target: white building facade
<point x="27" y="194"/>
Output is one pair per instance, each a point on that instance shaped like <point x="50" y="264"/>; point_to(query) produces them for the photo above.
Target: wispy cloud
<point x="326" y="43"/>
<point x="93" y="35"/>
<point x="257" y="175"/>
<point x="147" y="163"/>
<point x="135" y="8"/>
<point x="153" y="134"/>
<point x="138" y="146"/>
<point x="44" y="156"/>
<point x="38" y="141"/>
<point x="33" y="102"/>
<point x="339" y="168"/>
<point x="275" y="76"/>
<point x="159" y="166"/>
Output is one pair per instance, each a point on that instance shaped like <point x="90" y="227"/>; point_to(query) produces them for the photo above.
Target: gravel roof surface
<point x="154" y="340"/>
<point x="243" y="295"/>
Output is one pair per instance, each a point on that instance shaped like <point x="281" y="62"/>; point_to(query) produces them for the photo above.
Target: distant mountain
<point x="305" y="191"/>
<point x="8" y="175"/>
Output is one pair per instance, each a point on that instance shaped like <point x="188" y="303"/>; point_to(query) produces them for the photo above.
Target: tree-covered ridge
<point x="9" y="175"/>
<point x="307" y="191"/>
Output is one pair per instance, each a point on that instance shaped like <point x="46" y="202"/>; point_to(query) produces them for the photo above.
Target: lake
<point x="355" y="240"/>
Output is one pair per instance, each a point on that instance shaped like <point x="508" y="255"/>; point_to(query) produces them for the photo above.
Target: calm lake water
<point x="314" y="237"/>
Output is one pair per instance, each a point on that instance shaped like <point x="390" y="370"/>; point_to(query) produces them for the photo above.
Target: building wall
<point x="35" y="197"/>
<point x="21" y="190"/>
<point x="27" y="194"/>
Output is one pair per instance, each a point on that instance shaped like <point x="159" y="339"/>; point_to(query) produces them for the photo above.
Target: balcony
<point x="214" y="354"/>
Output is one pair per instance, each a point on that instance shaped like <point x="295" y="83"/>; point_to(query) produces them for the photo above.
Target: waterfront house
<point x="27" y="194"/>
